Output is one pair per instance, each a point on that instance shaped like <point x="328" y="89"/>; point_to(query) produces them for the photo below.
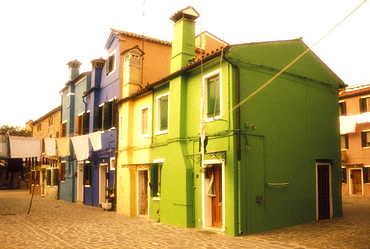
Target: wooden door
<point x="143" y="192"/>
<point x="323" y="189"/>
<point x="356" y="182"/>
<point x="217" y="197"/>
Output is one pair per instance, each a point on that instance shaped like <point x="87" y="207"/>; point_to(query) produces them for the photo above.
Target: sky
<point x="39" y="37"/>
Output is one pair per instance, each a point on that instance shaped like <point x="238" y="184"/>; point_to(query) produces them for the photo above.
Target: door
<point x="80" y="182"/>
<point x="216" y="196"/>
<point x="323" y="191"/>
<point x="142" y="204"/>
<point x="356" y="180"/>
<point x="103" y="170"/>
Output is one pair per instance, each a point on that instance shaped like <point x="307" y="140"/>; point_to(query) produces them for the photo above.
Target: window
<point x="344" y="141"/>
<point x="213" y="94"/>
<point x="51" y="121"/>
<point x="48" y="177"/>
<point x="87" y="173"/>
<point x="365" y="138"/>
<point x="62" y="171"/>
<point x="365" y="104"/>
<point x="110" y="64"/>
<point x="366" y="174"/>
<point x="342" y="108"/>
<point x="104" y="116"/>
<point x="144" y="121"/>
<point x="344" y="175"/>
<point x="155" y="179"/>
<point x="82" y="123"/>
<point x="162" y="113"/>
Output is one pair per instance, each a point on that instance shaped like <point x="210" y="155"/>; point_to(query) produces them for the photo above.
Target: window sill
<point x="213" y="119"/>
<point x="156" y="198"/>
<point x="165" y="132"/>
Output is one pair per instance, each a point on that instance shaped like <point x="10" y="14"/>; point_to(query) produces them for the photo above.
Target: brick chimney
<point x="183" y="46"/>
<point x="73" y="69"/>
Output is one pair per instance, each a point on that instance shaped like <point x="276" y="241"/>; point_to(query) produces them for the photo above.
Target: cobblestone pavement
<point x="60" y="224"/>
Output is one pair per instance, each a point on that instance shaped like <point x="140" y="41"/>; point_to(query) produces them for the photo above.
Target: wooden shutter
<point x="107" y="115"/>
<point x="98" y="118"/>
<point x="85" y="122"/>
<point x="78" y="129"/>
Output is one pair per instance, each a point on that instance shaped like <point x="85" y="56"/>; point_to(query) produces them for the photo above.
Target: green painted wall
<point x="285" y="129"/>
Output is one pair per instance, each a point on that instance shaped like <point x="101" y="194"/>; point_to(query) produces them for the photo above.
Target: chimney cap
<point x="74" y="63"/>
<point x="188" y="13"/>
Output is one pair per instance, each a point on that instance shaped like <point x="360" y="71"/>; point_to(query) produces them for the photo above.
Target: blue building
<point x="71" y="108"/>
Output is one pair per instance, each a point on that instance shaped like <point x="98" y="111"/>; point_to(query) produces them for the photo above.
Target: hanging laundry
<point x="95" y="139"/>
<point x="347" y="124"/>
<point x="21" y="147"/>
<point x="3" y="146"/>
<point x="50" y="146"/>
<point x="63" y="146"/>
<point x="81" y="147"/>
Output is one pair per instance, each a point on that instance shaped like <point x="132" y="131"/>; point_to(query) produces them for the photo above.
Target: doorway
<point x="213" y="194"/>
<point x="142" y="204"/>
<point x="323" y="191"/>
<point x="103" y="170"/>
<point x="356" y="181"/>
<point x="80" y="181"/>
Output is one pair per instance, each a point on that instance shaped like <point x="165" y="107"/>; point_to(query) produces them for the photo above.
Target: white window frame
<point x="158" y="116"/>
<point x="204" y="80"/>
<point x="114" y="64"/>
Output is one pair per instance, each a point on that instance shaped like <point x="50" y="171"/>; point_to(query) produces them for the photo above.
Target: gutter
<point x="238" y="138"/>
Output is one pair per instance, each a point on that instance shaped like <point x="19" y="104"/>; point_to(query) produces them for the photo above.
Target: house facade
<point x="231" y="156"/>
<point x="354" y="108"/>
<point x="71" y="109"/>
<point x="47" y="128"/>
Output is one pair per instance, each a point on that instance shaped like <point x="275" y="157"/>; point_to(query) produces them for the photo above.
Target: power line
<point x="294" y="61"/>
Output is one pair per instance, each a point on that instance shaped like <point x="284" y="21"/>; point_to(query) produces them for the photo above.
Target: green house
<point x="231" y="155"/>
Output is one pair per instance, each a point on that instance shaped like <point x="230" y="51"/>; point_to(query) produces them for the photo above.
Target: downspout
<point x="238" y="137"/>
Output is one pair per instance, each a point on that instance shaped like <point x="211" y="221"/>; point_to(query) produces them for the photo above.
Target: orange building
<point x="354" y="108"/>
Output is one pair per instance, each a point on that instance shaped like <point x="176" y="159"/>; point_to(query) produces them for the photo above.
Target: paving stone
<point x="59" y="224"/>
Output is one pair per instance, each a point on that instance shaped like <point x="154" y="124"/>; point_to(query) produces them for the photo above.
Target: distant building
<point x="354" y="108"/>
<point x="47" y="127"/>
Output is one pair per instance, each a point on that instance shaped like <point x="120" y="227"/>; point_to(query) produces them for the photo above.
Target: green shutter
<point x="107" y="115"/>
<point x="154" y="179"/>
<point x="97" y="118"/>
<point x="163" y="105"/>
<point x="48" y="177"/>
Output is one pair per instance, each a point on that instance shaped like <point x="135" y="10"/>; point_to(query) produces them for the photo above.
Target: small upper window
<point x="342" y="109"/>
<point x="213" y="95"/>
<point x="344" y="141"/>
<point x="110" y="64"/>
<point x="365" y="104"/>
<point x="144" y="121"/>
<point x="365" y="138"/>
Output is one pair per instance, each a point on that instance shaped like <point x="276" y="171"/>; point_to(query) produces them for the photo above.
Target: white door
<point x="103" y="170"/>
<point x="80" y="182"/>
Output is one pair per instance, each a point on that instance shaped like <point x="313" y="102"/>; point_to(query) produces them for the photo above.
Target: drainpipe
<point x="238" y="136"/>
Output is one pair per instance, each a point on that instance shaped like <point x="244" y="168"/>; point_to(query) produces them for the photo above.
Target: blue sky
<point x="39" y="37"/>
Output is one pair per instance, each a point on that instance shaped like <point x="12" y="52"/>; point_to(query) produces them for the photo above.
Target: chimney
<point x="97" y="69"/>
<point x="73" y="69"/>
<point x="183" y="46"/>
